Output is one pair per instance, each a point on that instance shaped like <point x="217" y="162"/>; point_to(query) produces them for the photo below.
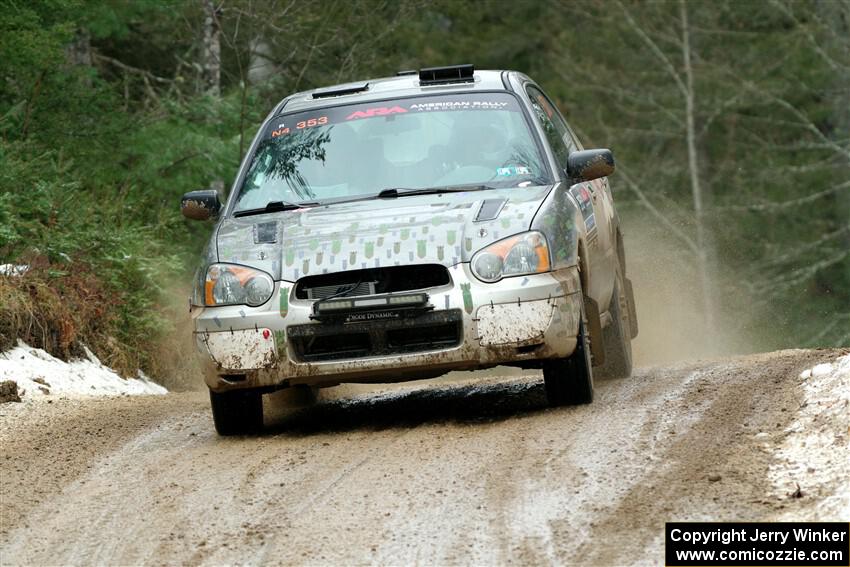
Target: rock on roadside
<point x="9" y="391"/>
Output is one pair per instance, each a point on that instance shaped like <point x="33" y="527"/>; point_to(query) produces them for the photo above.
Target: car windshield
<point x="424" y="142"/>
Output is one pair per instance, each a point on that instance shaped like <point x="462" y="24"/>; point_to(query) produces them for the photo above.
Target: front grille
<point x="372" y="281"/>
<point x="351" y="290"/>
<point x="319" y="342"/>
<point x="417" y="339"/>
<point x="333" y="347"/>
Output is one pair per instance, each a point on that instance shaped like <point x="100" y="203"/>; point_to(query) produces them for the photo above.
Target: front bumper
<point x="517" y="320"/>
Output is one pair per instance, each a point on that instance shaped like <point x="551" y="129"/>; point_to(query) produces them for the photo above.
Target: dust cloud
<point x="668" y="296"/>
<point x="177" y="366"/>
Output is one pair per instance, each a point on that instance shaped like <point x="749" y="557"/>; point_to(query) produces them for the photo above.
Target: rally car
<point x="401" y="228"/>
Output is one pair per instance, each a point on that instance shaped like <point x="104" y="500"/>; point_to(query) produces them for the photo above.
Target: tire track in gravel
<point x="477" y="471"/>
<point x="46" y="445"/>
<point x="716" y="471"/>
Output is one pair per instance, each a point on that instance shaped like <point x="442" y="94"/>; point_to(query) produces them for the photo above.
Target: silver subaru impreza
<point x="401" y="228"/>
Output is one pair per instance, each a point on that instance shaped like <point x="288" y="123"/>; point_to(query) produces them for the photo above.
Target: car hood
<point x="441" y="229"/>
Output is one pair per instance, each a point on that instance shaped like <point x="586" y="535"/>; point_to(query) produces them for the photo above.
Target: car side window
<point x="557" y="131"/>
<point x="573" y="138"/>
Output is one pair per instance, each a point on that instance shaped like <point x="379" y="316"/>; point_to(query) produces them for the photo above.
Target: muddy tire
<point x="618" y="334"/>
<point x="569" y="381"/>
<point x="239" y="412"/>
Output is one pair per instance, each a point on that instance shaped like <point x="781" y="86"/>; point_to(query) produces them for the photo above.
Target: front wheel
<point x="569" y="381"/>
<point x="238" y="412"/>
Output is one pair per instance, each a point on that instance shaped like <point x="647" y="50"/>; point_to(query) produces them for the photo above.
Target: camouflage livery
<point x="524" y="320"/>
<point x="437" y="230"/>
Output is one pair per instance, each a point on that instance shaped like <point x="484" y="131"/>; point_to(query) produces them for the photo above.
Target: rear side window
<point x="557" y="132"/>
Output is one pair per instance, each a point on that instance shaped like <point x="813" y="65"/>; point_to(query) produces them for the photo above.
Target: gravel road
<point x="472" y="471"/>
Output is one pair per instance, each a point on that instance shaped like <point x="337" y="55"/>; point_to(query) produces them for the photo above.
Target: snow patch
<point x="814" y="452"/>
<point x="38" y="375"/>
<point x="817" y="371"/>
<point x="13" y="269"/>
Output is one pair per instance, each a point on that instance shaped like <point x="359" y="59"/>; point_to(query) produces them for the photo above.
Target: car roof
<point x="389" y="88"/>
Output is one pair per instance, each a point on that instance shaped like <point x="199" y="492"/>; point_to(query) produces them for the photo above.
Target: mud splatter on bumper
<point x="517" y="320"/>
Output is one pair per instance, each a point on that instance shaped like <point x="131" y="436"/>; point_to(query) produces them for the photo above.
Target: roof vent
<point x="338" y="90"/>
<point x="407" y="72"/>
<point x="444" y="75"/>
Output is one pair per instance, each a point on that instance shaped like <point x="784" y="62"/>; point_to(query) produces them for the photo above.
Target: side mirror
<point x="200" y="205"/>
<point x="590" y="164"/>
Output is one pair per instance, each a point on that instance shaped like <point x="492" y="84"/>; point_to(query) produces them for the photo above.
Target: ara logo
<point x="379" y="111"/>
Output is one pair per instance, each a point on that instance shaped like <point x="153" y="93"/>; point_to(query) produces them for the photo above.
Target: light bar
<point x="370" y="302"/>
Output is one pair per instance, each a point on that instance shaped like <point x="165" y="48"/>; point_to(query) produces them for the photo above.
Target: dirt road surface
<point x="477" y="471"/>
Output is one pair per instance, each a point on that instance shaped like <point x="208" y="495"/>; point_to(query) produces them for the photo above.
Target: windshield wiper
<point x="274" y="207"/>
<point x="390" y="193"/>
<point x="394" y="192"/>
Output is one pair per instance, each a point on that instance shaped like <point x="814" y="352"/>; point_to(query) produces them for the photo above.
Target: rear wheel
<point x="618" y="333"/>
<point x="569" y="381"/>
<point x="238" y="412"/>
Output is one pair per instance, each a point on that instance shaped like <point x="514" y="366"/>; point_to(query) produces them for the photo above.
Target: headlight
<point x="227" y="284"/>
<point x="525" y="253"/>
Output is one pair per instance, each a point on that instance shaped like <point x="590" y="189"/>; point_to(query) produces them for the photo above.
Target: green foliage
<point x="31" y="38"/>
<point x="90" y="181"/>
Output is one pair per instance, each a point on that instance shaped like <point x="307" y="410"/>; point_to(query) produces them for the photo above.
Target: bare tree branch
<point x="805" y="122"/>
<point x="795" y="253"/>
<point x="815" y="44"/>
<point x="129" y="68"/>
<point x="783" y="205"/>
<point x="655" y="212"/>
<point x="790" y="279"/>
<point x="665" y="62"/>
